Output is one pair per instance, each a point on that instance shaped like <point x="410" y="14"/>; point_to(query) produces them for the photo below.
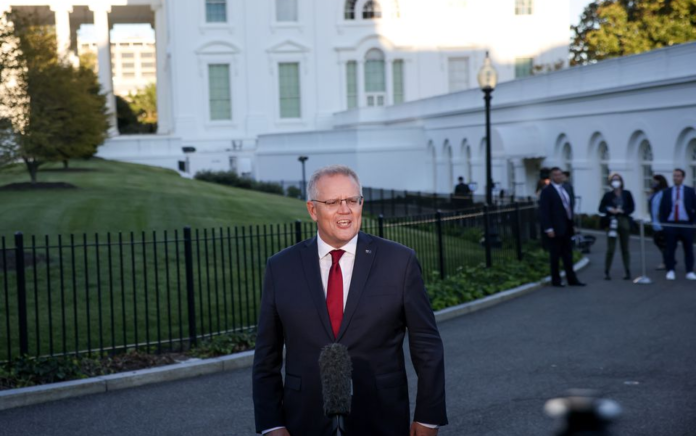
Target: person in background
<point x="462" y="194"/>
<point x="556" y="217"/>
<point x="658" y="186"/>
<point x="617" y="205"/>
<point x="677" y="215"/>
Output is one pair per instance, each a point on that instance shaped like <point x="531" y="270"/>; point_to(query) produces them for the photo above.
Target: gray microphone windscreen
<point x="336" y="368"/>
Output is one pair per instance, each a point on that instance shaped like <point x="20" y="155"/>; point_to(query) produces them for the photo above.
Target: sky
<point x="576" y="8"/>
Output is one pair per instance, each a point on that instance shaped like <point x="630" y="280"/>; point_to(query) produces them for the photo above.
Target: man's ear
<point x="312" y="209"/>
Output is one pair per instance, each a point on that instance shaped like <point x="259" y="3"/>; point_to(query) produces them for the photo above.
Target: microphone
<point x="335" y="369"/>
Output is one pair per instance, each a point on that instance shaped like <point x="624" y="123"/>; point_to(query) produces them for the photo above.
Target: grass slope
<point x="116" y="196"/>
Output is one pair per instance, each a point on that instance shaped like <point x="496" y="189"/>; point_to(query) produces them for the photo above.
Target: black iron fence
<point x="113" y="292"/>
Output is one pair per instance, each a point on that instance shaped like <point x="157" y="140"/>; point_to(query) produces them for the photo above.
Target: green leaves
<point x="225" y="344"/>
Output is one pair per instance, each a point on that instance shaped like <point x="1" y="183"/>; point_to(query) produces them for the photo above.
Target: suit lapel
<point x="364" y="255"/>
<point x="310" y="263"/>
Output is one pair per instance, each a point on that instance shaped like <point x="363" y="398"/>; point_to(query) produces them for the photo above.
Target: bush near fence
<point x="115" y="292"/>
<point x="230" y="178"/>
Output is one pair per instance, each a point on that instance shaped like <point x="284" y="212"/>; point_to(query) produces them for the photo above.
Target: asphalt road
<point x="636" y="344"/>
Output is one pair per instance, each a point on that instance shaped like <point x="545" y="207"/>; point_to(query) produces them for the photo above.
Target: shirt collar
<point x="556" y="185"/>
<point x="324" y="248"/>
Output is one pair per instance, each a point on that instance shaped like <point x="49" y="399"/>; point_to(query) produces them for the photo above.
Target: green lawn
<point x="115" y="196"/>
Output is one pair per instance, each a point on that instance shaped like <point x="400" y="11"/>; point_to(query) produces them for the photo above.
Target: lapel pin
<point x="368" y="251"/>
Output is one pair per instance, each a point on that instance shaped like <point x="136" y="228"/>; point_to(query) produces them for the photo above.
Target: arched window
<point x="692" y="156"/>
<point x="511" y="178"/>
<point x="603" y="155"/>
<point x="449" y="165"/>
<point x="567" y="154"/>
<point x="349" y="10"/>
<point x="645" y="155"/>
<point x="375" y="78"/>
<point x="372" y="10"/>
<point x="432" y="162"/>
<point x="466" y="153"/>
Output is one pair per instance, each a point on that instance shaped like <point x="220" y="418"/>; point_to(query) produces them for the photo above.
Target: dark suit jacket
<point x="552" y="214"/>
<point x="386" y="297"/>
<point x="609" y="201"/>
<point x="689" y="203"/>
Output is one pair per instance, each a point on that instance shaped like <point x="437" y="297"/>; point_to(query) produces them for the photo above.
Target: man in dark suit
<point x="556" y="206"/>
<point x="678" y="212"/>
<point x="358" y="290"/>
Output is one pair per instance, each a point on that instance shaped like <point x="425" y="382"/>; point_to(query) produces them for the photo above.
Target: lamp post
<point x="487" y="79"/>
<point x="303" y="159"/>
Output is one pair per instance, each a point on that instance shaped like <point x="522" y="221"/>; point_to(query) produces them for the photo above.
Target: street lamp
<point x="303" y="159"/>
<point x="487" y="79"/>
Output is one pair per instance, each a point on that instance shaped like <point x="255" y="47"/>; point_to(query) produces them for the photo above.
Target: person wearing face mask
<point x="617" y="205"/>
<point x="658" y="187"/>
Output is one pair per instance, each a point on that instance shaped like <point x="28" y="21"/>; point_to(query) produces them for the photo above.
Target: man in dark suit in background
<point x="556" y="207"/>
<point x="358" y="290"/>
<point x="678" y="208"/>
<point x="462" y="194"/>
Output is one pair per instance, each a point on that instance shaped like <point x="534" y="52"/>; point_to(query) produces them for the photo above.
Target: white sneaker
<point x="691" y="276"/>
<point x="670" y="275"/>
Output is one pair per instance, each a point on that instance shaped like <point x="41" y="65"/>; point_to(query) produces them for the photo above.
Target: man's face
<point x="677" y="177"/>
<point x="557" y="177"/>
<point x="337" y="224"/>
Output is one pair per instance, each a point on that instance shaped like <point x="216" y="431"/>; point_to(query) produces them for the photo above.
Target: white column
<point x="62" y="12"/>
<point x="164" y="93"/>
<point x="101" y="25"/>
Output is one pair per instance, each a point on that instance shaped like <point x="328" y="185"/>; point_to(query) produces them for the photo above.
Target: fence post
<point x="21" y="294"/>
<point x="440" y="243"/>
<point x="381" y="200"/>
<point x="517" y="228"/>
<point x="190" y="292"/>
<point x="380" y="226"/>
<point x="393" y="203"/>
<point x="487" y="235"/>
<point x="298" y="231"/>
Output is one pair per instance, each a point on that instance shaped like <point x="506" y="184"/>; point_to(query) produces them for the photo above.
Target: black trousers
<point x="673" y="235"/>
<point x="561" y="248"/>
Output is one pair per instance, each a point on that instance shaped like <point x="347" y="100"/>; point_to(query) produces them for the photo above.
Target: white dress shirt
<point x="346" y="262"/>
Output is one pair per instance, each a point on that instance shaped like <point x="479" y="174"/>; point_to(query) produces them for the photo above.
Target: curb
<point x="20" y="397"/>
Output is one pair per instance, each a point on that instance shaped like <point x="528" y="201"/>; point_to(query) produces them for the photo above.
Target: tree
<point x="613" y="28"/>
<point x="144" y="104"/>
<point x="55" y="111"/>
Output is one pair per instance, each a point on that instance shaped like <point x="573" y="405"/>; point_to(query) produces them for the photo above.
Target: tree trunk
<point x="33" y="168"/>
<point x="65" y="164"/>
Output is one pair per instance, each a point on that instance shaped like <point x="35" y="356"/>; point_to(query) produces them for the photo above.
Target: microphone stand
<point x="338" y="425"/>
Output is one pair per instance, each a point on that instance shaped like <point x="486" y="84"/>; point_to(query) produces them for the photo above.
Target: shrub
<point x="225" y="344"/>
<point x="230" y="178"/>
<point x="294" y="192"/>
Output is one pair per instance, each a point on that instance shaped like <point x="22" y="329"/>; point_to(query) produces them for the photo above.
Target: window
<point x="147" y="65"/>
<point x="148" y="74"/>
<point x="523" y="7"/>
<point x="511" y="178"/>
<point x="125" y="55"/>
<point x="604" y="158"/>
<point x="286" y="10"/>
<point x="289" y="81"/>
<point x="128" y="75"/>
<point x="646" y="158"/>
<point x="567" y="154"/>
<point x="147" y="55"/>
<point x="398" y="81"/>
<point x="352" y="84"/>
<point x="523" y="67"/>
<point x="692" y="155"/>
<point x="216" y="11"/>
<point x="128" y="65"/>
<point x="349" y="10"/>
<point x="219" y="92"/>
<point x="458" y="74"/>
<point x="375" y="80"/>
<point x="372" y="10"/>
<point x="469" y="174"/>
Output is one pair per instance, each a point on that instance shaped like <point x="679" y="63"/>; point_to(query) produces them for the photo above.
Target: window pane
<point x="286" y="10"/>
<point x="523" y="7"/>
<point x="220" y="93"/>
<point x="216" y="11"/>
<point x="371" y="10"/>
<point x="349" y="13"/>
<point x="523" y="67"/>
<point x="289" y="78"/>
<point x="458" y="74"/>
<point x="352" y="84"/>
<point x="374" y="76"/>
<point x="398" y="81"/>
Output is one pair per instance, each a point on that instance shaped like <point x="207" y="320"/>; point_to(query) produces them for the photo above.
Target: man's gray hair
<point x="331" y="170"/>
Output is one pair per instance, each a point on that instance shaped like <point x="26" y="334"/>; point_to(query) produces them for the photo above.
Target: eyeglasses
<point x="336" y="203"/>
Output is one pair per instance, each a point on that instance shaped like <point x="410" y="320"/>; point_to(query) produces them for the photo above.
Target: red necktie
<point x="334" y="292"/>
<point x="676" y="206"/>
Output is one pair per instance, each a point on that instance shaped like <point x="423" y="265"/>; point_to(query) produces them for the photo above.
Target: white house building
<point x="231" y="70"/>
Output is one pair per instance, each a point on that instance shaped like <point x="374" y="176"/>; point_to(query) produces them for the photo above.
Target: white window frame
<point x="206" y="26"/>
<point x="286" y="24"/>
<point x="531" y="66"/>
<point x="449" y="71"/>
<point x="525" y="9"/>
<point x="220" y="52"/>
<point x="287" y="52"/>
<point x="299" y="77"/>
<point x="604" y="167"/>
